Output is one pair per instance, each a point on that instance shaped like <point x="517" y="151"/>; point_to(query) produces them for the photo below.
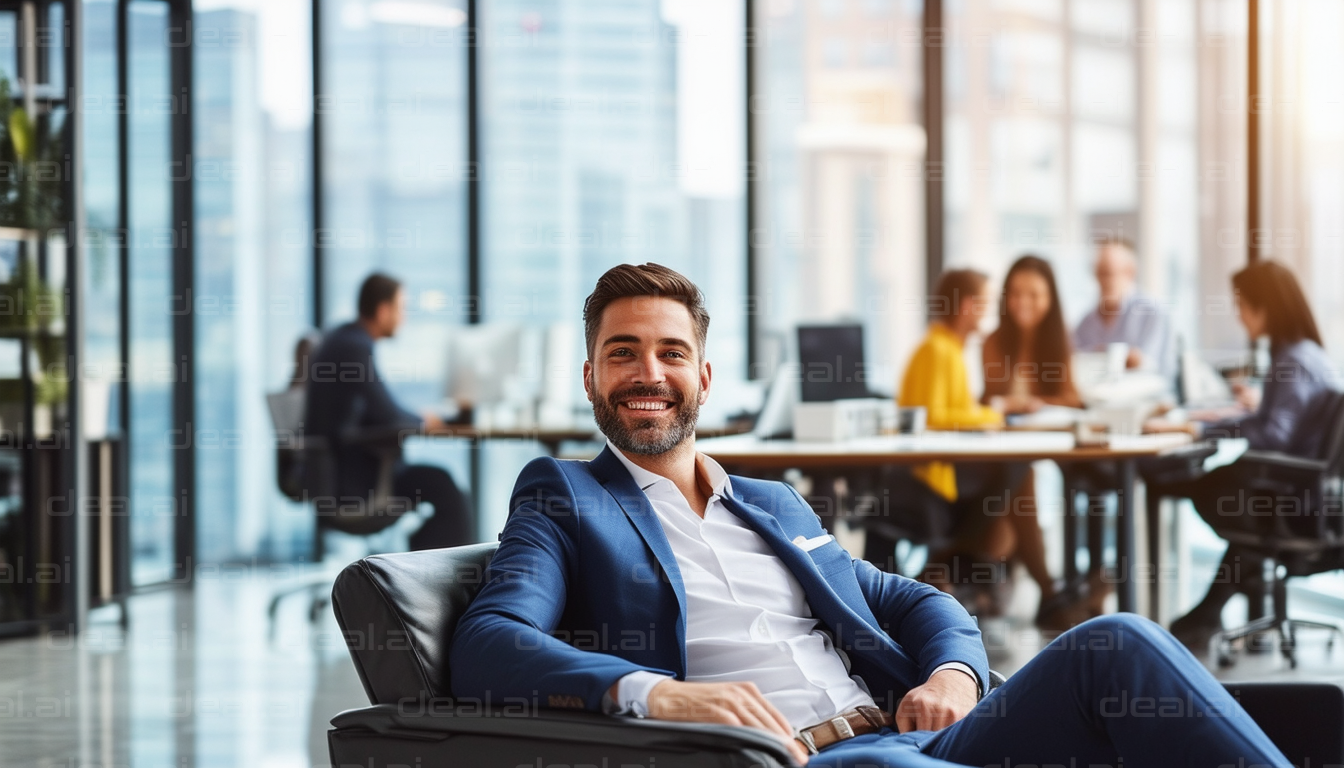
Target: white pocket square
<point x="807" y="545"/>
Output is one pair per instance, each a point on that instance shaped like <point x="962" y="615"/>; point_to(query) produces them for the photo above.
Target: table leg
<point x="1124" y="534"/>
<point x="474" y="447"/>
<point x="1070" y="533"/>
<point x="1154" y="506"/>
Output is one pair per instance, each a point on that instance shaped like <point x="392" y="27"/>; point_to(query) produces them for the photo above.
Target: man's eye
<point x="620" y="352"/>
<point x="673" y="353"/>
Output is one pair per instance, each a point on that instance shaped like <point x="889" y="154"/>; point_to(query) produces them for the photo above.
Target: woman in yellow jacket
<point x="987" y="522"/>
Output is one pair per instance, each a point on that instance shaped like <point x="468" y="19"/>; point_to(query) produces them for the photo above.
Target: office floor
<point x="198" y="681"/>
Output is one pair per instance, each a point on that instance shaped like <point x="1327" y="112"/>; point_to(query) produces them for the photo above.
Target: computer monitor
<point x="830" y="360"/>
<point x="485" y="364"/>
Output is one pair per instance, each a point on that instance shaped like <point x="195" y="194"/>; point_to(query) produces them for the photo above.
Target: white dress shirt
<point x="747" y="617"/>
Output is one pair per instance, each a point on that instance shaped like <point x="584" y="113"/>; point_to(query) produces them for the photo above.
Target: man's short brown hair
<point x="632" y="280"/>
<point x="954" y="287"/>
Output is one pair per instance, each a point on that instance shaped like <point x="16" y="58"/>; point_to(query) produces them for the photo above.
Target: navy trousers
<point x="1115" y="691"/>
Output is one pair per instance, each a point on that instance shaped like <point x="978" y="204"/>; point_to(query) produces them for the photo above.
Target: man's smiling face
<point x="645" y="377"/>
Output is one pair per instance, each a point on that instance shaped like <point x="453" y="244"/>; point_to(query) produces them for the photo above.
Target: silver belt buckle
<point x="841" y="726"/>
<point x="811" y="745"/>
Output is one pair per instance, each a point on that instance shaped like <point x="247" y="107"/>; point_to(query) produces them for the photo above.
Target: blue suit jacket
<point x="584" y="590"/>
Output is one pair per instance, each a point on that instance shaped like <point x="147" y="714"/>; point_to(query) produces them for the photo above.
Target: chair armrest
<point x="1177" y="464"/>
<point x="438" y="719"/>
<point x="378" y="439"/>
<point x="1277" y="460"/>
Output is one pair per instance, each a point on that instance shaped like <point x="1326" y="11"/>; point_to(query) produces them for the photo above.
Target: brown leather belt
<point x="845" y="725"/>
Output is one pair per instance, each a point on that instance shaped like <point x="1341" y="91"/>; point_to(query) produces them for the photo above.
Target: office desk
<point x="747" y="452"/>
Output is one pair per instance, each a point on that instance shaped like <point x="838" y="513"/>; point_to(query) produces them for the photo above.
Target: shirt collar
<point x="1126" y="304"/>
<point x="712" y="471"/>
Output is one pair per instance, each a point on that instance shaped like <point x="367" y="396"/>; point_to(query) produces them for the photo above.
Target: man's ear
<point x="706" y="375"/>
<point x="588" y="379"/>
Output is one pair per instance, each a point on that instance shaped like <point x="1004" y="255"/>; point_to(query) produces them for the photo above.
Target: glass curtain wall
<point x="1302" y="180"/>
<point x="252" y="96"/>
<point x="611" y="132"/>
<point x="1072" y="120"/>
<point x="149" y="251"/>
<point x="841" y="142"/>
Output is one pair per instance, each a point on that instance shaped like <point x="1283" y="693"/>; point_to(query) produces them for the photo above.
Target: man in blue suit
<point x="649" y="583"/>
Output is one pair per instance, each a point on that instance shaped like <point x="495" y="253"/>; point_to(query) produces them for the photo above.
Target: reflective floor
<point x="199" y="680"/>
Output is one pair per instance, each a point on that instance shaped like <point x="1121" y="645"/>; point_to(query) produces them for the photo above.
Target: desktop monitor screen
<point x="830" y="360"/>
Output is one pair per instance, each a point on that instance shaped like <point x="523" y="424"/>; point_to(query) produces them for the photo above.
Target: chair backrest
<point x="286" y="410"/>
<point x="1331" y="524"/>
<point x="398" y="613"/>
<point x="1332" y="447"/>
<point x="361" y="516"/>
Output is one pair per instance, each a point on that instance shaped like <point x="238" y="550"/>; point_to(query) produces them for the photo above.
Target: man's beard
<point x="645" y="436"/>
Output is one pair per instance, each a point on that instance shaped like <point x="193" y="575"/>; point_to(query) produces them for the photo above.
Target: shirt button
<point x="762" y="627"/>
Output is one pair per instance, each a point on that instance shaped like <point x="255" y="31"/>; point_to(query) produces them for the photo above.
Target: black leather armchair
<point x="398" y="612"/>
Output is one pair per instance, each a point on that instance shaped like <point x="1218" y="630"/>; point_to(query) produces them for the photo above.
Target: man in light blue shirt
<point x="1125" y="315"/>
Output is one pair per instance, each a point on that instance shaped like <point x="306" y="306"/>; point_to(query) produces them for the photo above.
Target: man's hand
<point x="1134" y="359"/>
<point x="944" y="699"/>
<point x="430" y="421"/>
<point x="726" y="703"/>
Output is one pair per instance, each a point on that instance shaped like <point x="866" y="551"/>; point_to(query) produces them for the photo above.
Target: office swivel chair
<point x="306" y="472"/>
<point x="1310" y="540"/>
<point x="398" y="613"/>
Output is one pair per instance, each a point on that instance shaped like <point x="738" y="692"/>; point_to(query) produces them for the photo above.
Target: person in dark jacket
<point x="1287" y="417"/>
<point x="348" y="403"/>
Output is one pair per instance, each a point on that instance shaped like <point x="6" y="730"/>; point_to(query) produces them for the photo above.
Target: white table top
<point x="949" y="446"/>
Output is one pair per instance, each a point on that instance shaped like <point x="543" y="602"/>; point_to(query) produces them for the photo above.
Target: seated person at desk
<point x="1027" y="365"/>
<point x="347" y="396"/>
<point x="1124" y="315"/>
<point x="936" y="379"/>
<point x="1286" y="418"/>
<point x="725" y="601"/>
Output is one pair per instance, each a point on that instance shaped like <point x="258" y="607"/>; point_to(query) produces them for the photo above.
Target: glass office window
<point x="1302" y="192"/>
<point x="152" y="367"/>
<point x="842" y="143"/>
<point x="1171" y="191"/>
<point x="102" y="292"/>
<point x="1062" y="128"/>
<point x="1303" y="153"/>
<point x="611" y="132"/>
<point x="394" y="116"/>
<point x="252" y="98"/>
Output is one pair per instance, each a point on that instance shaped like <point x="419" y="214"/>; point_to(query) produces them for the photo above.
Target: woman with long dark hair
<point x="1027" y="366"/>
<point x="1027" y="360"/>
<point x="1287" y="417"/>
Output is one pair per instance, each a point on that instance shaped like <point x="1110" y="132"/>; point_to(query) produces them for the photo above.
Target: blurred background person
<point x="979" y="494"/>
<point x="348" y="403"/>
<point x="1125" y="315"/>
<point x="1287" y="417"/>
<point x="1027" y="366"/>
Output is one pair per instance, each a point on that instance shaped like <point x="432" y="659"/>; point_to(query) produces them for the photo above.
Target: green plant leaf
<point x="21" y="134"/>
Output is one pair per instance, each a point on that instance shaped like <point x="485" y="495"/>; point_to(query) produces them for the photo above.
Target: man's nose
<point x="650" y="369"/>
